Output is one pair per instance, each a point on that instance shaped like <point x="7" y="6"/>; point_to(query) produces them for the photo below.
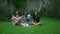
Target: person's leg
<point x="16" y="23"/>
<point x="29" y="23"/>
<point x="36" y="23"/>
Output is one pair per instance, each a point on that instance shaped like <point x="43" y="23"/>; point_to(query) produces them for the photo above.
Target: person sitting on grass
<point x="15" y="18"/>
<point x="28" y="19"/>
<point x="36" y="18"/>
<point x="24" y="17"/>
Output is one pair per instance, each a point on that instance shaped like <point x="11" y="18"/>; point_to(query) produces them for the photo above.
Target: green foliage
<point x="8" y="6"/>
<point x="6" y="10"/>
<point x="31" y="11"/>
<point x="52" y="10"/>
<point x="5" y="13"/>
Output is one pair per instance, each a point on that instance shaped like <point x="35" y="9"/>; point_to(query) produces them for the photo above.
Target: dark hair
<point x="37" y="14"/>
<point x="24" y="13"/>
<point x="14" y="13"/>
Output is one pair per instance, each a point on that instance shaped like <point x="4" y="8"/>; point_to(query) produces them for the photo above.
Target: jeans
<point x="29" y="23"/>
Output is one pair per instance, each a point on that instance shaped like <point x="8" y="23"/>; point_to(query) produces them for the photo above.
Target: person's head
<point x="15" y="13"/>
<point x="25" y="14"/>
<point x="37" y="13"/>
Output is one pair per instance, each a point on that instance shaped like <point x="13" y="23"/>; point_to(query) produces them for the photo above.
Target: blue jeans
<point x="29" y="23"/>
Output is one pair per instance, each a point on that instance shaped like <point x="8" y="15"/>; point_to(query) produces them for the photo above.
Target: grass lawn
<point x="49" y="26"/>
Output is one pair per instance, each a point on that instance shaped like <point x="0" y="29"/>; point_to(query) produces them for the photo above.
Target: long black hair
<point x="14" y="13"/>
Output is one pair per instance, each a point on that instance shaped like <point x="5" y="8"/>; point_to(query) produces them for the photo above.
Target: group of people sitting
<point x="25" y="19"/>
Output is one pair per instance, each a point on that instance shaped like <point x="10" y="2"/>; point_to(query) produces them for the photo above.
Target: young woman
<point x="15" y="18"/>
<point x="36" y="18"/>
<point x="24" y="17"/>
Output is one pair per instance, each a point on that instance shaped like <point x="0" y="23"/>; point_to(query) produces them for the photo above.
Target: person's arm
<point x="13" y="17"/>
<point x="20" y="17"/>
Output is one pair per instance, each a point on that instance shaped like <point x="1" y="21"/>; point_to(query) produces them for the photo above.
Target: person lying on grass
<point x="36" y="18"/>
<point x="16" y="20"/>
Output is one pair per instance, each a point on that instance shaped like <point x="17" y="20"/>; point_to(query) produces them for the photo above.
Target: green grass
<point x="49" y="26"/>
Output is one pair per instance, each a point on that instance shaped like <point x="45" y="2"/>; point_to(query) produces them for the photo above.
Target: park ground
<point x="49" y="26"/>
